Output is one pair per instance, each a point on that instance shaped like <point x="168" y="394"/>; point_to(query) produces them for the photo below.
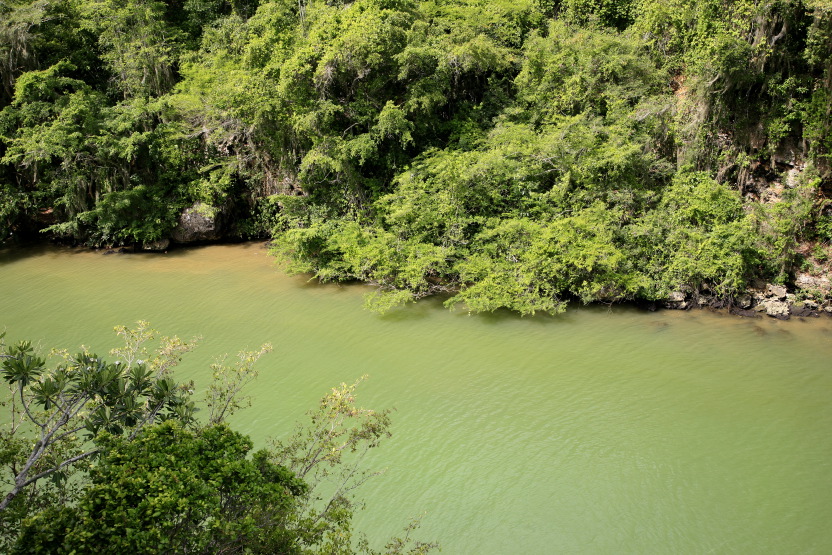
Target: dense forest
<point x="512" y="154"/>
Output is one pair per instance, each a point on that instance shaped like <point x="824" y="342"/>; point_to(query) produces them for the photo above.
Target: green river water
<point x="597" y="431"/>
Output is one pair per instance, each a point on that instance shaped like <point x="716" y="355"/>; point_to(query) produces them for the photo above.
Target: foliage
<point x="783" y="225"/>
<point x="698" y="237"/>
<point x="172" y="490"/>
<point x="528" y="267"/>
<point x="389" y="140"/>
<point x="223" y="398"/>
<point x="327" y="453"/>
<point x="137" y="45"/>
<point x="55" y="411"/>
<point x="127" y="467"/>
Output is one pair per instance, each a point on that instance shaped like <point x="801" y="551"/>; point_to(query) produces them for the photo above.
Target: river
<point x="602" y="430"/>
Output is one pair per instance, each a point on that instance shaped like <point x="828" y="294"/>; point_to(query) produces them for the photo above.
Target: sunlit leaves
<point x="175" y="490"/>
<point x="528" y="267"/>
<point x="20" y="365"/>
<point x="86" y="392"/>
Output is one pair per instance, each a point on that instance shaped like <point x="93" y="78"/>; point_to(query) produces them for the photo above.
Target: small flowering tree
<point x="67" y="405"/>
<point x="163" y="480"/>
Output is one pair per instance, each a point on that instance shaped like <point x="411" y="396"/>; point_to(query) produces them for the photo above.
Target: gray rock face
<point x="777" y="309"/>
<point x="160" y="245"/>
<point x="809" y="282"/>
<point x="810" y="304"/>
<point x="776" y="291"/>
<point x="745" y="301"/>
<point x="200" y="222"/>
<point x="676" y="297"/>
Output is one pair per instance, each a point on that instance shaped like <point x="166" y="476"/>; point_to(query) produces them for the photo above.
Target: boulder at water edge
<point x="200" y="222"/>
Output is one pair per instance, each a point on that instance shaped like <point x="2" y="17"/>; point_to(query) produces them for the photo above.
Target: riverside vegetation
<point x="112" y="457"/>
<point x="513" y="154"/>
<point x="509" y="154"/>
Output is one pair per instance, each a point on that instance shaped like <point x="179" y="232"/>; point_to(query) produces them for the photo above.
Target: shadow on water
<point x="418" y="310"/>
<point x="13" y="254"/>
<point x="19" y="253"/>
<point x="758" y="330"/>
<point x="660" y="325"/>
<point x="10" y="253"/>
<point x="503" y="316"/>
<point x="182" y="251"/>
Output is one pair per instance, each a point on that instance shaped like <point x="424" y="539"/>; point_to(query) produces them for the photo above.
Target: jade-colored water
<point x="598" y="431"/>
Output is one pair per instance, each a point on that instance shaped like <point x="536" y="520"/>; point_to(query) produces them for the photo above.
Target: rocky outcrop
<point x="160" y="245"/>
<point x="200" y="222"/>
<point x="677" y="300"/>
<point x="814" y="297"/>
<point x="777" y="308"/>
<point x="813" y="285"/>
<point x="745" y="301"/>
<point x="778" y="292"/>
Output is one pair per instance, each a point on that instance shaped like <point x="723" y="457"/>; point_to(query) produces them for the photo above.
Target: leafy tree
<point x="529" y="268"/>
<point x="16" y="36"/>
<point x="62" y="407"/>
<point x="35" y="35"/>
<point x="121" y="464"/>
<point x="611" y="13"/>
<point x="327" y="452"/>
<point x="138" y="45"/>
<point x="697" y="237"/>
<point x="223" y="398"/>
<point x="169" y="490"/>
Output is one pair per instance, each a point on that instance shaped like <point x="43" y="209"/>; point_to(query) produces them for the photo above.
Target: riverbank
<point x="775" y="301"/>
<point x="810" y="298"/>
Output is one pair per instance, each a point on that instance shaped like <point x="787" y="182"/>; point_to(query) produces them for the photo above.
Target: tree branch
<point x="26" y="406"/>
<point x="64" y="464"/>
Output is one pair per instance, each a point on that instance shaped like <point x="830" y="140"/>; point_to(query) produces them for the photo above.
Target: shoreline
<point x="759" y="301"/>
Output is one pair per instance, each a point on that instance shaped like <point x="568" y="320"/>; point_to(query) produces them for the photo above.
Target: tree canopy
<point x="407" y="143"/>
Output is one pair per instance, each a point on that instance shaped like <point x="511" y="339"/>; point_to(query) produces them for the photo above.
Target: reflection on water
<point x="602" y="430"/>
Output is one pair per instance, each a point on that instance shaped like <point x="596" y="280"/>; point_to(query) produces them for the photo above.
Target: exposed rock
<point x="810" y="304"/>
<point x="792" y="177"/>
<point x="801" y="309"/>
<point x="757" y="297"/>
<point x="160" y="245"/>
<point x="745" y="301"/>
<point x="777" y="309"/>
<point x="200" y="222"/>
<point x="742" y="312"/>
<point x="776" y="291"/>
<point x="676" y="297"/>
<point x="808" y="282"/>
